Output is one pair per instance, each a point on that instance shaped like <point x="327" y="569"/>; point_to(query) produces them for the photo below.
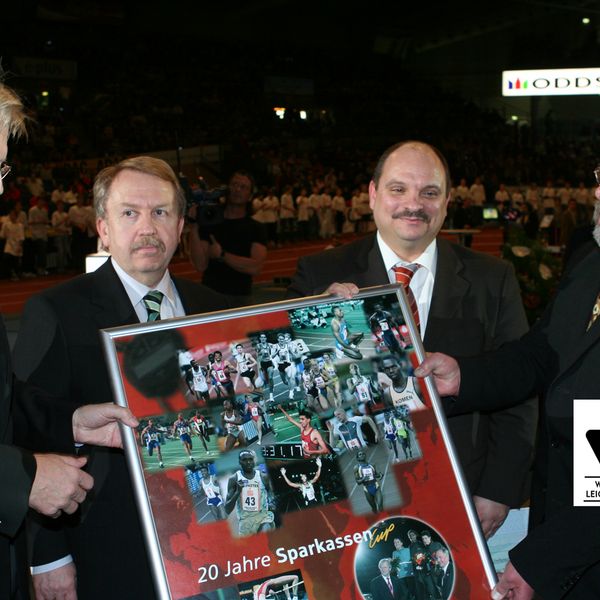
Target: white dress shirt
<point x="422" y="282"/>
<point x="170" y="306"/>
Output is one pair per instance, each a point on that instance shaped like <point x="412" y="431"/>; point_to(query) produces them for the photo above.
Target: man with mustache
<point x="467" y="303"/>
<point x="139" y="209"/>
<point x="50" y="484"/>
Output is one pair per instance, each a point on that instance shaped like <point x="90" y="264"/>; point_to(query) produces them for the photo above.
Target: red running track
<point x="281" y="263"/>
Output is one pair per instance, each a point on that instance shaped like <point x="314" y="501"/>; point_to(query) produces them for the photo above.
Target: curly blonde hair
<point x="12" y="114"/>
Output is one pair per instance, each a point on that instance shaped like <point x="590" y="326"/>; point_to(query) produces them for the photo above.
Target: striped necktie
<point x="152" y="302"/>
<point x="403" y="276"/>
<point x="595" y="312"/>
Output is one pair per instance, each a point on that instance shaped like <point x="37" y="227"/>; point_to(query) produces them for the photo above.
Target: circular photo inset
<point x="404" y="558"/>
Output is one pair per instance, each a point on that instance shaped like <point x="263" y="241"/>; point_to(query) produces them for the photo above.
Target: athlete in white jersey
<point x="298" y="351"/>
<point x="403" y="391"/>
<point x="199" y="376"/>
<point x="246" y="365"/>
<point x="359" y="385"/>
<point x="306" y="486"/>
<point x="328" y="367"/>
<point x="282" y="361"/>
<point x="263" y="351"/>
<point x="212" y="491"/>
<point x="231" y="422"/>
<point x="249" y="492"/>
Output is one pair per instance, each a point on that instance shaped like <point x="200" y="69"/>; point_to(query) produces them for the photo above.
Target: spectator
<point x="38" y="224"/>
<point x="62" y="236"/>
<point x="79" y="220"/>
<point x="13" y="234"/>
<point x="232" y="252"/>
<point x="568" y="222"/>
<point x="304" y="213"/>
<point x="287" y="216"/>
<point x="338" y="206"/>
<point x="477" y="192"/>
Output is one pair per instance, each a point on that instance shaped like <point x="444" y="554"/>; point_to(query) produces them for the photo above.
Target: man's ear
<point x="102" y="229"/>
<point x="372" y="194"/>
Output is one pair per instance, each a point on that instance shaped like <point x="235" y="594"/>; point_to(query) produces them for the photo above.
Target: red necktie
<point x="389" y="584"/>
<point x="403" y="276"/>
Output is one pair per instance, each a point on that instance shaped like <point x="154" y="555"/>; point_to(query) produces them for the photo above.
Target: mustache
<point x="148" y="240"/>
<point x="412" y="214"/>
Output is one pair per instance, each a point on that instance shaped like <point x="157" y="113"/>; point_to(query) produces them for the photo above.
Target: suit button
<point x="554" y="444"/>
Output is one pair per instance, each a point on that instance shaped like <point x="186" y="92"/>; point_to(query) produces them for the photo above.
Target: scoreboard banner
<point x="288" y="451"/>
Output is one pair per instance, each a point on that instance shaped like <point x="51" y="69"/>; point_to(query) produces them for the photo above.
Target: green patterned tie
<point x="152" y="302"/>
<point x="595" y="312"/>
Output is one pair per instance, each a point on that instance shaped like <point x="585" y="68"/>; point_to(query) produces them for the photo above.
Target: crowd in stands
<point x="312" y="175"/>
<point x="51" y="226"/>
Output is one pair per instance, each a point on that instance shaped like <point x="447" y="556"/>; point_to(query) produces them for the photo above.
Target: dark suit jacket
<point x="444" y="581"/>
<point x="380" y="591"/>
<point x="561" y="555"/>
<point x="17" y="471"/>
<point x="475" y="306"/>
<point x="59" y="359"/>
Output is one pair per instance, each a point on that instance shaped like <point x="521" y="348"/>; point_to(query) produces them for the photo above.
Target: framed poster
<point x="288" y="451"/>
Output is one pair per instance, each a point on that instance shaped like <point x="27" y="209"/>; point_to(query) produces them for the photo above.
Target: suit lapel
<point x="111" y="307"/>
<point x="577" y="306"/>
<point x="375" y="273"/>
<point x="449" y="289"/>
<point x="191" y="300"/>
<point x="109" y="298"/>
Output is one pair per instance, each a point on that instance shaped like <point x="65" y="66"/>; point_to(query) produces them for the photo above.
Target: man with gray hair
<point x="50" y="484"/>
<point x="139" y="216"/>
<point x="386" y="586"/>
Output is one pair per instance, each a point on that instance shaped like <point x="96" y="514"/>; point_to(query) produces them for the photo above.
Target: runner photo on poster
<point x="304" y="484"/>
<point x="289" y="451"/>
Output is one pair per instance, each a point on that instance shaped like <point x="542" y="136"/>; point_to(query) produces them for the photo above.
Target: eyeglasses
<point x="597" y="174"/>
<point x="4" y="170"/>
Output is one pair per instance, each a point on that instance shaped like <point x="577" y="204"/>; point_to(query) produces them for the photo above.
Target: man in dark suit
<point x="99" y="552"/>
<point x="558" y="358"/>
<point x="47" y="483"/>
<point x="386" y="586"/>
<point x="443" y="573"/>
<point x="467" y="302"/>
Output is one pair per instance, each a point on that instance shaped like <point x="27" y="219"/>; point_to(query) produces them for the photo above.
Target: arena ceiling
<point x="399" y="27"/>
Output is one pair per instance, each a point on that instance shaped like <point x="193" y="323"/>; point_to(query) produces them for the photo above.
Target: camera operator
<point x="232" y="251"/>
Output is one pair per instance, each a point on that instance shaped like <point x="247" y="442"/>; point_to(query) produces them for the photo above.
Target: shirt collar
<point x="428" y="259"/>
<point x="136" y="290"/>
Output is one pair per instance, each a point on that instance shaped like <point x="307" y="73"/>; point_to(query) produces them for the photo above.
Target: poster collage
<point x="281" y="450"/>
